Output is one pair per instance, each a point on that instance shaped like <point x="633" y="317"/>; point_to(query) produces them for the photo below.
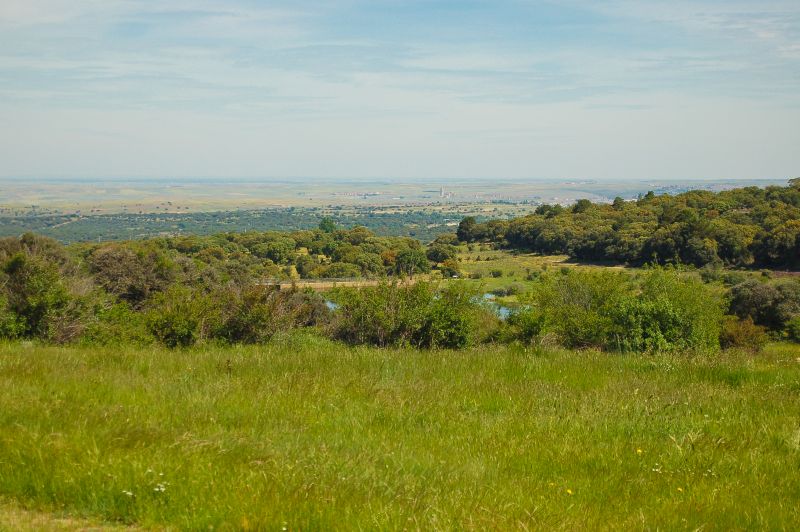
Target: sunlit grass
<point x="308" y="434"/>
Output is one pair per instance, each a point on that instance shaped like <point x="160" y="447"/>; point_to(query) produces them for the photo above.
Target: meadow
<point x="303" y="433"/>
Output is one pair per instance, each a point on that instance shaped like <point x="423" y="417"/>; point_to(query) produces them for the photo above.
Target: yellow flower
<point x="639" y="451"/>
<point x="680" y="490"/>
<point x="569" y="491"/>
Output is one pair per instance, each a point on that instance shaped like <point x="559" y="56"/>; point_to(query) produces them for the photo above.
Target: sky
<point x="523" y="89"/>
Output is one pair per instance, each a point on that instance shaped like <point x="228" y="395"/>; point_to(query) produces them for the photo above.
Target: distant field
<point x="110" y="196"/>
<point x="307" y="434"/>
<point x="495" y="269"/>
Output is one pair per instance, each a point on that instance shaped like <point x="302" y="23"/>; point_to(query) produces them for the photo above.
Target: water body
<point x="502" y="311"/>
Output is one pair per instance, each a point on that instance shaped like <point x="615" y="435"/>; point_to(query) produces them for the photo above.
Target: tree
<point x="466" y="229"/>
<point x="327" y="225"/>
<point x="582" y="205"/>
<point x="411" y="261"/>
<point x="441" y="252"/>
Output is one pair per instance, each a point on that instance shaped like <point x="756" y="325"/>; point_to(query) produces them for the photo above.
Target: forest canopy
<point x="745" y="227"/>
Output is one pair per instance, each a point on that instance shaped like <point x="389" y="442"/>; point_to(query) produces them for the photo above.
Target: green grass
<point x="307" y="434"/>
<point x="515" y="267"/>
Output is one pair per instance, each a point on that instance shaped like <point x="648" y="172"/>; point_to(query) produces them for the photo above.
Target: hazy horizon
<point x="356" y="90"/>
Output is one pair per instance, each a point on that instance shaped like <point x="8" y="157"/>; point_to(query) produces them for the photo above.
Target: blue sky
<point x="606" y="89"/>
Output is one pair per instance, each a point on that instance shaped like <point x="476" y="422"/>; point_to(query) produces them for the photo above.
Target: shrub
<point x="449" y="268"/>
<point x="769" y="304"/>
<point x="181" y="317"/>
<point x="525" y="324"/>
<point x="449" y="320"/>
<point x="793" y="329"/>
<point x="341" y="270"/>
<point x="664" y="311"/>
<point x="387" y="314"/>
<point x="496" y="273"/>
<point x="510" y="290"/>
<point x="742" y="334"/>
<point x="577" y="306"/>
<point x="673" y="312"/>
<point x="258" y="313"/>
<point x="36" y="295"/>
<point x="10" y="326"/>
<point x="117" y="324"/>
<point x="411" y="261"/>
<point x="441" y="252"/>
<point x="131" y="275"/>
<point x="420" y="315"/>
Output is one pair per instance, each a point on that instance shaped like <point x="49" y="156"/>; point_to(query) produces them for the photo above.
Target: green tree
<point x="327" y="225"/>
<point x="411" y="261"/>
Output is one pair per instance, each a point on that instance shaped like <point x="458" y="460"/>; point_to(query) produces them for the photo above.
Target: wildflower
<point x="569" y="491"/>
<point x="128" y="493"/>
<point x="680" y="490"/>
<point x="639" y="451"/>
<point x="160" y="488"/>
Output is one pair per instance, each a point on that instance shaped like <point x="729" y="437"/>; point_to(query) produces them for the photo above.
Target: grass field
<point x="305" y="434"/>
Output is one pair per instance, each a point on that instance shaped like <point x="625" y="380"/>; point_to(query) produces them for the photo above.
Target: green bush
<point x="742" y="334"/>
<point x="255" y="314"/>
<point x="450" y="319"/>
<point x="672" y="312"/>
<point x="10" y="326"/>
<point x="119" y="325"/>
<point x="36" y="295"/>
<point x="793" y="329"/>
<point x="771" y="304"/>
<point x="662" y="310"/>
<point x="388" y="314"/>
<point x="525" y="324"/>
<point x="577" y="307"/>
<point x="181" y="317"/>
<point x="418" y="314"/>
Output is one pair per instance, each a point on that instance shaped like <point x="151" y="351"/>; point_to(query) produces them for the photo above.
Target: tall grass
<point x="304" y="433"/>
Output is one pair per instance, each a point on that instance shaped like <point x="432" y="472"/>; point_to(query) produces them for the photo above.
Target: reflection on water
<point x="502" y="311"/>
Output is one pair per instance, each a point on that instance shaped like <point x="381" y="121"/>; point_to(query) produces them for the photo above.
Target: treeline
<point x="187" y="289"/>
<point x="746" y="227"/>
<point x="326" y="252"/>
<point x="165" y="291"/>
<point x="422" y="224"/>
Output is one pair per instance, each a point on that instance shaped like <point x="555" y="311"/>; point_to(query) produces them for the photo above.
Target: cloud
<point x="458" y="87"/>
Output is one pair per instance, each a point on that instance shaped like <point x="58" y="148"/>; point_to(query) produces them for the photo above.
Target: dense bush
<point x="771" y="304"/>
<point x="10" y="326"/>
<point x="131" y="272"/>
<point x="577" y="307"/>
<point x="742" y="334"/>
<point x="417" y="314"/>
<point x="671" y="312"/>
<point x="181" y="317"/>
<point x="661" y="311"/>
<point x="255" y="314"/>
<point x="193" y="289"/>
<point x="793" y="329"/>
<point x="117" y="324"/>
<point x="36" y="295"/>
